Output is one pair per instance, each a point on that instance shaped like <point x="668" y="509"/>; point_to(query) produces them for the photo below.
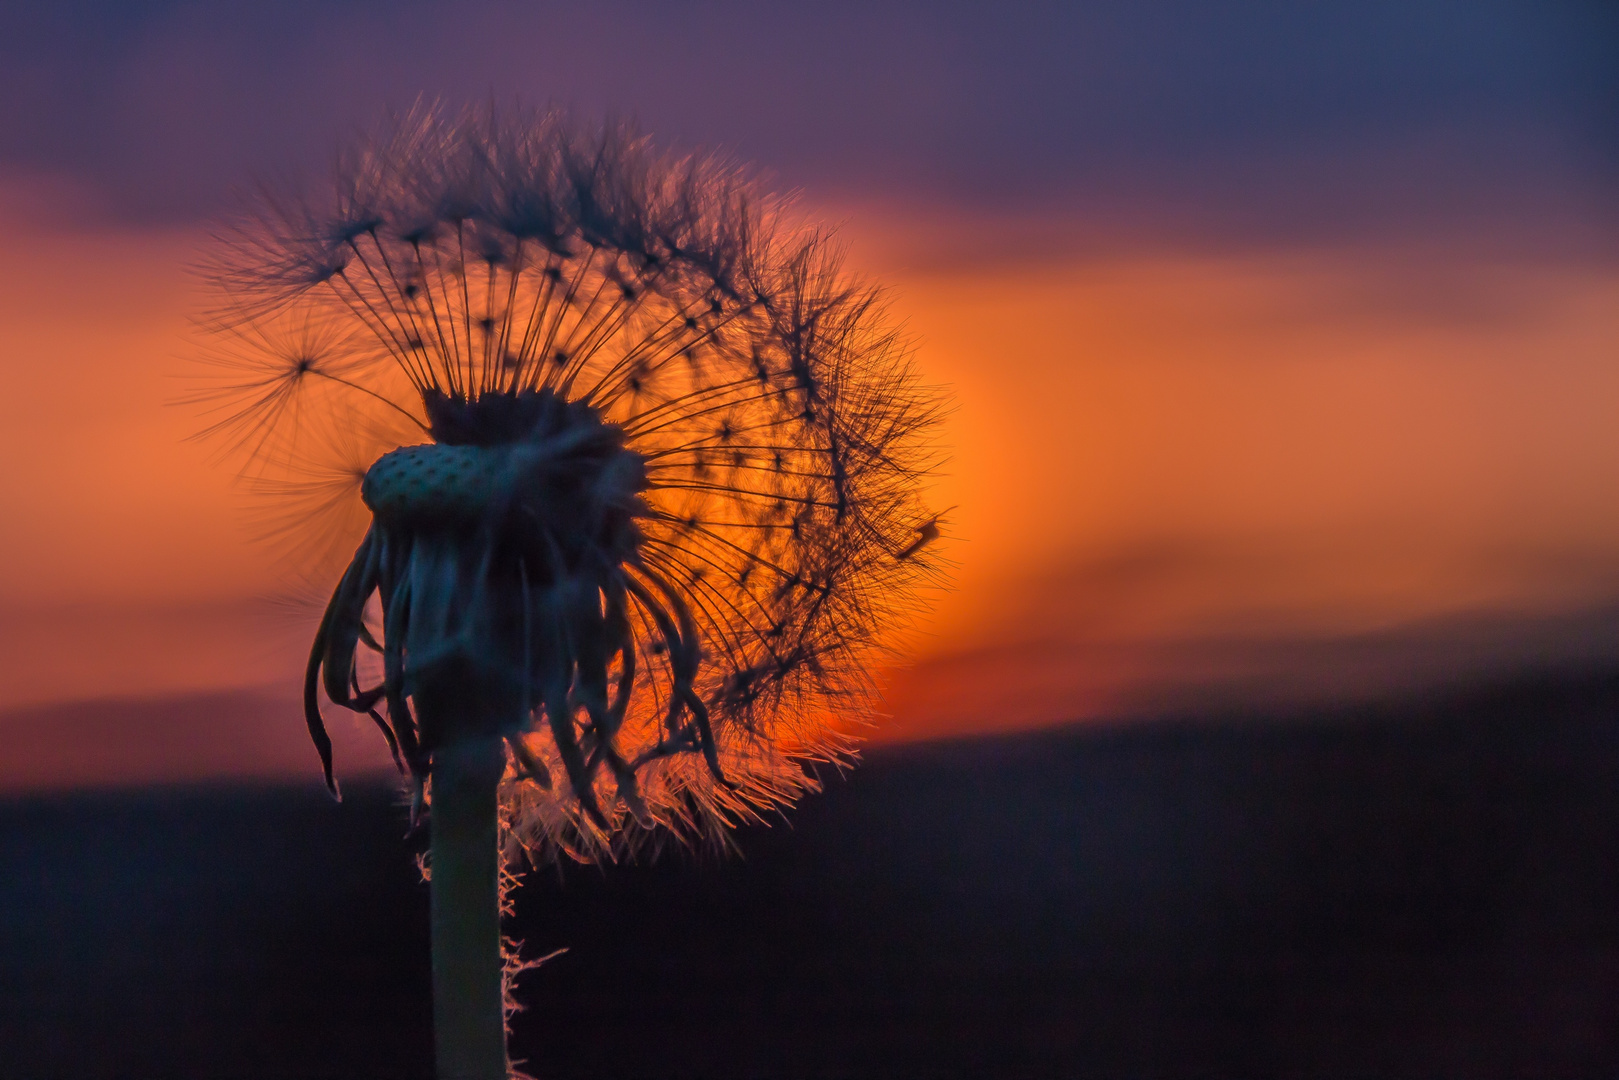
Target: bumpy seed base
<point x="434" y="483"/>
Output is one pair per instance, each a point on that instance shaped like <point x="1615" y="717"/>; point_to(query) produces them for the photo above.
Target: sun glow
<point x="1170" y="466"/>
<point x="1168" y="470"/>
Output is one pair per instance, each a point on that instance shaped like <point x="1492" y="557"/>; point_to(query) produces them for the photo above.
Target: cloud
<point x="173" y="739"/>
<point x="1075" y="666"/>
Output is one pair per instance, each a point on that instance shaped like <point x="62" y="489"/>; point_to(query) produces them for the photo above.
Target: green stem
<point x="469" y="1020"/>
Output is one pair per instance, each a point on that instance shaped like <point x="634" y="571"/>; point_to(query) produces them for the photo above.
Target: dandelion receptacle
<point x="641" y="498"/>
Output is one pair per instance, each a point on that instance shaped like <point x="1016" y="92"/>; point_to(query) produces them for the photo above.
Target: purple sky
<point x="1232" y="122"/>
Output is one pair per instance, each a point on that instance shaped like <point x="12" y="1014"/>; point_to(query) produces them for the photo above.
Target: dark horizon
<point x="1402" y="891"/>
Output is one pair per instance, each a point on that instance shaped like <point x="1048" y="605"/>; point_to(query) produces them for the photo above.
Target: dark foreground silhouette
<point x="1429" y="889"/>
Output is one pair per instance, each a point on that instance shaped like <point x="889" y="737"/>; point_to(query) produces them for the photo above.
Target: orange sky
<point x="1180" y="475"/>
<point x="1177" y="468"/>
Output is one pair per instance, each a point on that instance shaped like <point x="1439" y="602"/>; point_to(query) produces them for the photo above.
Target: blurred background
<point x="1277" y="677"/>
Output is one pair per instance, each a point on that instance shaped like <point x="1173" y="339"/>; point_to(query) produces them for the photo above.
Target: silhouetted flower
<point x="665" y="498"/>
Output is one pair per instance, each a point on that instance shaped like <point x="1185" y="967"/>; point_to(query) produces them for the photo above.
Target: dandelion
<point x="641" y="501"/>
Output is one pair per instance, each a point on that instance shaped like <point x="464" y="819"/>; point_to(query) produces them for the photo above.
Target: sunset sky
<point x="1283" y="339"/>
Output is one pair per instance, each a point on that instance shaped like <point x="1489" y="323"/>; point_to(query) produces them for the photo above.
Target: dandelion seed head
<point x="649" y="498"/>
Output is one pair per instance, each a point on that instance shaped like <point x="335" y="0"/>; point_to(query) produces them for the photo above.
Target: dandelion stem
<point x="468" y="1018"/>
<point x="670" y="482"/>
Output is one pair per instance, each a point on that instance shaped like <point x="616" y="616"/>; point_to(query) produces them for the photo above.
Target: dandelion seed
<point x="576" y="650"/>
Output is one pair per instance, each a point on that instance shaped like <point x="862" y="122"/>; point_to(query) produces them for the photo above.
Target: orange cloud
<point x="1157" y="449"/>
<point x="1171" y="471"/>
